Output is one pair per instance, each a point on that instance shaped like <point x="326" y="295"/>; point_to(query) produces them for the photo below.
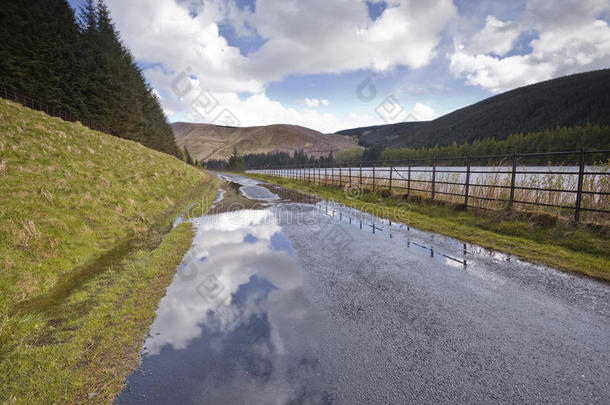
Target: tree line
<point x="261" y="160"/>
<point x="590" y="137"/>
<point x="80" y="65"/>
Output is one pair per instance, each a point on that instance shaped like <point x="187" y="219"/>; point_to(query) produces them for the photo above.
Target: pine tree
<point x="80" y="66"/>
<point x="188" y="157"/>
<point x="39" y="52"/>
<point x="236" y="162"/>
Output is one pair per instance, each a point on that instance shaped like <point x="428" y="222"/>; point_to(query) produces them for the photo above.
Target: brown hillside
<point x="207" y="141"/>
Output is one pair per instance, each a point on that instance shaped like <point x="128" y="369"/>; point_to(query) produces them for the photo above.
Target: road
<point x="293" y="301"/>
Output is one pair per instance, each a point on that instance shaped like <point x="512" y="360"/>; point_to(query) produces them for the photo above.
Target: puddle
<point x="243" y="322"/>
<point x="452" y="254"/>
<point x="237" y="321"/>
<point x="258" y="193"/>
<point x="233" y="320"/>
<point x="230" y="198"/>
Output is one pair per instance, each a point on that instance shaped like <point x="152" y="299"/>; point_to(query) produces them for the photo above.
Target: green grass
<point x="86" y="253"/>
<point x="577" y="248"/>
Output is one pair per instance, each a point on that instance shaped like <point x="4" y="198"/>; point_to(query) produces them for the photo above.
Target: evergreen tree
<point x="188" y="157"/>
<point x="39" y="52"/>
<point x="236" y="162"/>
<point x="81" y="67"/>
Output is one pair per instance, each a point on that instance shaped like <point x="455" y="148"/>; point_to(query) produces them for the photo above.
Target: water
<point x="292" y="299"/>
<point x="237" y="321"/>
<point x="231" y="322"/>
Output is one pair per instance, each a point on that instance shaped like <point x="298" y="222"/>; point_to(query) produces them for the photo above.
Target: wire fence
<point x="490" y="182"/>
<point x="48" y="109"/>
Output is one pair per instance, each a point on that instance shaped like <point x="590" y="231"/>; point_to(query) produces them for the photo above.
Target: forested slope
<point x="79" y="67"/>
<point x="569" y="101"/>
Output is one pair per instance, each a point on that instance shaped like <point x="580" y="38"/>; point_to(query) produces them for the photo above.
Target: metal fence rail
<point x="583" y="187"/>
<point x="50" y="110"/>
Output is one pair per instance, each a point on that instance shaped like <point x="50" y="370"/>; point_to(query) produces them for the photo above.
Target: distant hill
<point x="207" y="141"/>
<point x="568" y="101"/>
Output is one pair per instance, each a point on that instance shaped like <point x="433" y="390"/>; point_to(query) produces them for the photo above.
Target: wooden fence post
<point x="467" y="185"/>
<point x="319" y="174"/>
<point x="581" y="177"/>
<point x="373" y="176"/>
<point x="512" y="182"/>
<point x="350" y="174"/>
<point x="433" y="177"/>
<point x="409" y="180"/>
<point x="361" y="175"/>
<point x="391" y="170"/>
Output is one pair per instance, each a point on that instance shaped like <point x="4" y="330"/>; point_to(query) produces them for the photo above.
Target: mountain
<point x="207" y="141"/>
<point x="568" y="101"/>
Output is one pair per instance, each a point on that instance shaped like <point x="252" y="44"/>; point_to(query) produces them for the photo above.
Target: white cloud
<point x="496" y="37"/>
<point x="164" y="32"/>
<point x="423" y="112"/>
<point x="259" y="109"/>
<point x="571" y="39"/>
<point x="335" y="36"/>
<point x="319" y="36"/>
<point x="315" y="102"/>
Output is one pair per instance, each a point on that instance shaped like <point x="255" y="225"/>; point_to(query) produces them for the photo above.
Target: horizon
<point x="366" y="63"/>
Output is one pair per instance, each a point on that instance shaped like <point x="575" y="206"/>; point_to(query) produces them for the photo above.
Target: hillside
<point x="85" y="253"/>
<point x="206" y="141"/>
<point x="568" y="101"/>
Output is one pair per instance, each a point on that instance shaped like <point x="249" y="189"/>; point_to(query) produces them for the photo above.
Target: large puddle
<point x="244" y="322"/>
<point x="235" y="323"/>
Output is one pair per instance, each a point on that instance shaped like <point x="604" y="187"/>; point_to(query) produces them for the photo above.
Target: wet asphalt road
<point x="288" y="302"/>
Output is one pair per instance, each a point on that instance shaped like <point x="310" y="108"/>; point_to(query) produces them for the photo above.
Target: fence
<point x="507" y="183"/>
<point x="50" y="110"/>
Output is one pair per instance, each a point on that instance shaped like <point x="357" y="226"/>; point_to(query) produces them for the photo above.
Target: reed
<point x="552" y="193"/>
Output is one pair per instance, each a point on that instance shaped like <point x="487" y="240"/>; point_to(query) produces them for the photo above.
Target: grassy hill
<point x="206" y="141"/>
<point x="86" y="251"/>
<point x="568" y="101"/>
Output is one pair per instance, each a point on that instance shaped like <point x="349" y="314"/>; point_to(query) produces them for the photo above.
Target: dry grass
<point x="489" y="191"/>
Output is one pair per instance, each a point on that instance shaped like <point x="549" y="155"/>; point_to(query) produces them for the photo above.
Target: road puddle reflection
<point x="231" y="326"/>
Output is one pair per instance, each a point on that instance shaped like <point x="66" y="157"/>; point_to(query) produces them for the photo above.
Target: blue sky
<point x="318" y="63"/>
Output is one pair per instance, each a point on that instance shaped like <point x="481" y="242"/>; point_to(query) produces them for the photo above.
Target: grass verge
<point x="576" y="248"/>
<point x="86" y="251"/>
